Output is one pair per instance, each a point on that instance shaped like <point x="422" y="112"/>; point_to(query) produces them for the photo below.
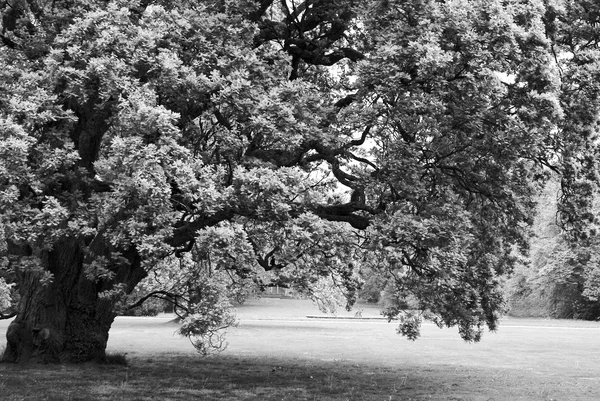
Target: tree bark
<point x="65" y="319"/>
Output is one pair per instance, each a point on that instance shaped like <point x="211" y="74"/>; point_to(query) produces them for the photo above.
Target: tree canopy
<point x="292" y="142"/>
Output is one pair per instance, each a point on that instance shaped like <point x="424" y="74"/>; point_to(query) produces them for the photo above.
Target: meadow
<point x="278" y="353"/>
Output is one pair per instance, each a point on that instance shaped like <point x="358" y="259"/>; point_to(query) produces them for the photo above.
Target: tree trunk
<point x="64" y="319"/>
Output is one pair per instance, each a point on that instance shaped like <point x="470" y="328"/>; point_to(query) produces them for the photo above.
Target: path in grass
<point x="277" y="353"/>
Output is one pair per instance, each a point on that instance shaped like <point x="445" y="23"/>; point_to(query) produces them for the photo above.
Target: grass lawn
<point x="278" y="354"/>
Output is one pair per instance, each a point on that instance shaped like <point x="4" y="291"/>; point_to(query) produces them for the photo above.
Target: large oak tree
<point x="299" y="138"/>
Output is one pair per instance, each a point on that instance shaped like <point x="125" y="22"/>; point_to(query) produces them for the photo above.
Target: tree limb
<point x="186" y="231"/>
<point x="343" y="213"/>
<point x="165" y="295"/>
<point x="222" y="120"/>
<point x="8" y="315"/>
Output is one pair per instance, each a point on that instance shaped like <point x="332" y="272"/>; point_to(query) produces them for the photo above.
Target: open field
<point x="278" y="354"/>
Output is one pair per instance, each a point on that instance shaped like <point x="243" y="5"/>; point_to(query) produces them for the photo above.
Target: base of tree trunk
<point x="26" y="343"/>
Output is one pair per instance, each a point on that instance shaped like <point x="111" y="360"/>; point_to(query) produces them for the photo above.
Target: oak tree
<point x="291" y="141"/>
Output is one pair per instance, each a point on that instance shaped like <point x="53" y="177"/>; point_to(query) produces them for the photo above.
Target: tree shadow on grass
<point x="174" y="377"/>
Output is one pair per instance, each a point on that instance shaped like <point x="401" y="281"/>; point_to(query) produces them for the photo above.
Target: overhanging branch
<point x="167" y="296"/>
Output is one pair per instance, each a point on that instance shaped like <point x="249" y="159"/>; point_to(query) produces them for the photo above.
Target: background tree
<point x="559" y="278"/>
<point x="133" y="131"/>
<point x="551" y="280"/>
<point x="563" y="279"/>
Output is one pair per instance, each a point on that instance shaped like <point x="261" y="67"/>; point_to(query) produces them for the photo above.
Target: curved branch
<point x="8" y="315"/>
<point x="358" y="142"/>
<point x="267" y="262"/>
<point x="345" y="101"/>
<point x="187" y="248"/>
<point x="165" y="295"/>
<point x="186" y="231"/>
<point x="363" y="160"/>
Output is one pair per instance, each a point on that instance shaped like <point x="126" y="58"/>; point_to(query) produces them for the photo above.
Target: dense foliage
<point x="291" y="142"/>
<point x="557" y="279"/>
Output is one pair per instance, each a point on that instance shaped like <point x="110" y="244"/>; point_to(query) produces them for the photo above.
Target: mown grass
<point x="173" y="377"/>
<point x="299" y="359"/>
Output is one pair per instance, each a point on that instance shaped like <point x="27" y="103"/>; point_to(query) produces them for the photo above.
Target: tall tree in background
<point x="134" y="131"/>
<point x="558" y="278"/>
<point x="564" y="281"/>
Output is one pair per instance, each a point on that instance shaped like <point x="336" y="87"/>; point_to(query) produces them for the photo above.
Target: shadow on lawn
<point x="215" y="378"/>
<point x="325" y="361"/>
<point x="172" y="377"/>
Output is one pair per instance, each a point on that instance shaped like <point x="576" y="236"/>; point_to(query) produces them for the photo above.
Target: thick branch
<point x="186" y="231"/>
<point x="222" y="120"/>
<point x="318" y="57"/>
<point x="345" y="101"/>
<point x="267" y="262"/>
<point x="280" y="158"/>
<point x="343" y="213"/>
<point x="8" y="42"/>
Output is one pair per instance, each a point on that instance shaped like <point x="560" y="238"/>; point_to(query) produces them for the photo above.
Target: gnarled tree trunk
<point x="66" y="318"/>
